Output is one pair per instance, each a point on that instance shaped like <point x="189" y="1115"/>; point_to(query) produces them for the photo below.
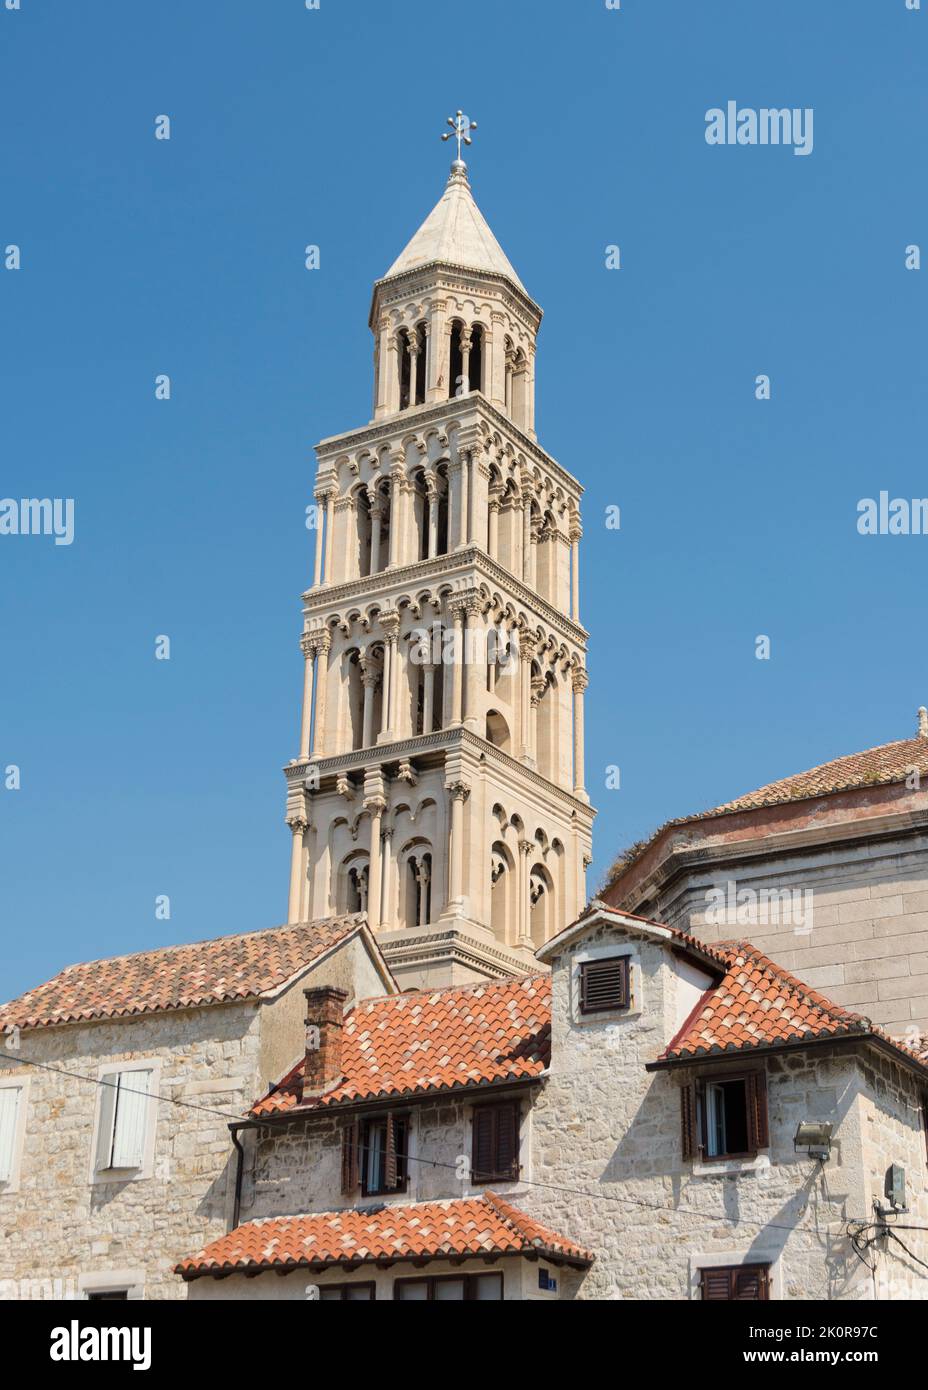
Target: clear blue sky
<point x="291" y="126"/>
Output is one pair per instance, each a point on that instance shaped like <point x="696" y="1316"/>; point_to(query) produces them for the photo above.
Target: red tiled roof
<point x="435" y="1041"/>
<point x="890" y="762"/>
<point x="880" y="766"/>
<point x="251" y="965"/>
<point x="475" y="1226"/>
<point x="759" y="1005"/>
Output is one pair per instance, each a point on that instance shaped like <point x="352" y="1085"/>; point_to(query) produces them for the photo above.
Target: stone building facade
<point x="127" y="1074"/>
<point x="657" y="1087"/>
<point x="439" y="782"/>
<point x="826" y="872"/>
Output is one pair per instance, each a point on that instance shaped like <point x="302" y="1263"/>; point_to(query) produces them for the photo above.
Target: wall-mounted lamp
<point x="815" y="1137"/>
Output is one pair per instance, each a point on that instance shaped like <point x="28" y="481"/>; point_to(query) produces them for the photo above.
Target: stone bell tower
<point x="439" y="783"/>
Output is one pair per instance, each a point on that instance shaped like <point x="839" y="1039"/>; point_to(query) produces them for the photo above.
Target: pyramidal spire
<point x="457" y="233"/>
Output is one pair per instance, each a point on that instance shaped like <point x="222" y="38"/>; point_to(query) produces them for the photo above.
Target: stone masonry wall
<point x="608" y="1133"/>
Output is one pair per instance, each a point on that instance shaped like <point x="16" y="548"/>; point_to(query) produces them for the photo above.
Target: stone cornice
<point x="456" y="946"/>
<point x="403" y="283"/>
<point x="394" y="428"/>
<point x="457" y="739"/>
<point x="455" y="561"/>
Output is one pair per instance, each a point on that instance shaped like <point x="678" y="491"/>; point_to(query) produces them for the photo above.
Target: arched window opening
<point x="540" y="905"/>
<point x="379" y="507"/>
<point x="519" y="384"/>
<point x="418" y="896"/>
<point x="497" y="730"/>
<point x="548" y="724"/>
<point x="405" y="364"/>
<point x="418" y="393"/>
<point x="441" y="476"/>
<point x="420" y="509"/>
<point x="363" y="521"/>
<point x="475" y="365"/>
<point x="355" y="696"/>
<point x="353" y="884"/>
<point x="500" y="879"/>
<point x="456" y="383"/>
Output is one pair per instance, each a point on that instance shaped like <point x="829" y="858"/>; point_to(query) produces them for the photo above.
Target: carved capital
<point x="390" y="625"/>
<point x="457" y="791"/>
<point x="375" y="806"/>
<point x="297" y="825"/>
<point x="579" y="679"/>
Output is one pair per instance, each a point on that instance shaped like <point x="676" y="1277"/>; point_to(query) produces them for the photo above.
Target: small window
<point x="725" y="1116"/>
<point x="124" y="1118"/>
<point x="347" y="1293"/>
<point x="496" y="1143"/>
<point x="450" y="1288"/>
<point x="735" y="1283"/>
<point x="10" y="1102"/>
<point x="382" y="1161"/>
<point x="604" y="985"/>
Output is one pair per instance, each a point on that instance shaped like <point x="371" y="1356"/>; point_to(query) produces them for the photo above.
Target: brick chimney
<point x="325" y="1013"/>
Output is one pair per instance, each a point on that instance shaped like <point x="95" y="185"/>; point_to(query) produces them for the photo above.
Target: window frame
<point x="402" y="1127"/>
<point x="15" y="1081"/>
<point x="695" y="1122"/>
<point x="762" y="1269"/>
<point x="103" y="1115"/>
<point x="514" y="1104"/>
<point x="469" y="1281"/>
<point x="588" y="967"/>
<point x="343" y="1289"/>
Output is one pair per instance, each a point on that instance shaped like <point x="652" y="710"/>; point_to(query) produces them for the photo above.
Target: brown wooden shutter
<point x="758" y="1125"/>
<point x="604" y="985"/>
<point x="482" y="1158"/>
<point x="716" y="1285"/>
<point x="749" y="1283"/>
<point x="389" y="1159"/>
<point x="507" y="1142"/>
<point x="350" y="1156"/>
<point x="688" y="1121"/>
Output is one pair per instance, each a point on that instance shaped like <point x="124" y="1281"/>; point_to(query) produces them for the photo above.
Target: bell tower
<point x="439" y="783"/>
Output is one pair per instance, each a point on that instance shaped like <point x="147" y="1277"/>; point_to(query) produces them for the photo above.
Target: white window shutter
<point x="131" y="1115"/>
<point x="9" y="1110"/>
<point x="108" y="1087"/>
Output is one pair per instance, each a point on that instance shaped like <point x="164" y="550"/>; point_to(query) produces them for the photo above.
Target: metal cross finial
<point x="461" y="126"/>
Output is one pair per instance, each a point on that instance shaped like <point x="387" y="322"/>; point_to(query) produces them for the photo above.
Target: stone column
<point x="422" y="879"/>
<point x="376" y="515"/>
<point x="579" y="681"/>
<point x="370" y="674"/>
<point x="529" y="388"/>
<point x="328" y="576"/>
<point x="457" y="683"/>
<point x="458" y="792"/>
<point x="386" y="904"/>
<point x="321" y="509"/>
<point x="390" y="625"/>
<point x="466" y="495"/>
<point x="308" y="647"/>
<point x="496" y="362"/>
<point x="298" y="828"/>
<point x="375" y="807"/>
<point x="575" y="534"/>
<point x="475" y="668"/>
<point x="428" y="698"/>
<point x="526" y="653"/>
<point x="432" y="495"/>
<point x="466" y="344"/>
<point x="493" y="528"/>
<point x="397" y="513"/>
<point x="322" y="644"/>
<point x="383" y="357"/>
<point x="439" y="339"/>
<point x="524" y="913"/>
<point x="538" y="689"/>
<point x="413" y="345"/>
<point x="527" y="566"/>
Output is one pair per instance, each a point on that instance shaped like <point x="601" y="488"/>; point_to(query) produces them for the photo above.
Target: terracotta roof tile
<point x="758" y="1005"/>
<point x="881" y="766"/>
<point x="476" y="1226"/>
<point x="435" y="1040"/>
<point x="250" y="965"/>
